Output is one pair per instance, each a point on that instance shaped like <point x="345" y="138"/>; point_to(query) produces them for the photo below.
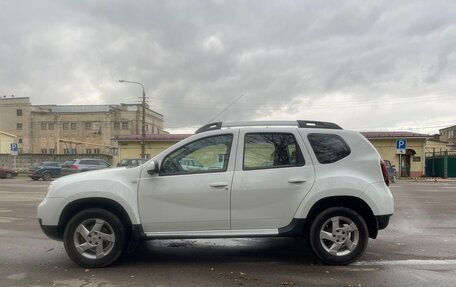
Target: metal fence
<point x="441" y="164"/>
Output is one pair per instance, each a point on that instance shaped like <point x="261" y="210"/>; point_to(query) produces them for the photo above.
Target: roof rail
<point x="318" y="125"/>
<point x="209" y="127"/>
<point x="299" y="123"/>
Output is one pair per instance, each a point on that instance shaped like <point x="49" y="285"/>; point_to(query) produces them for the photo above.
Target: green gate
<point x="441" y="164"/>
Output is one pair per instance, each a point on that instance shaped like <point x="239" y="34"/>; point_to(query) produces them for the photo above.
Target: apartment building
<point x="73" y="129"/>
<point x="448" y="135"/>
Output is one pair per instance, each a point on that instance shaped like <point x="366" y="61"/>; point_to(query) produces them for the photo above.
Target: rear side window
<point x="328" y="148"/>
<point x="271" y="150"/>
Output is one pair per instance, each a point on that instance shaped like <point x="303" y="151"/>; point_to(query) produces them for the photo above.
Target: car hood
<point x="91" y="180"/>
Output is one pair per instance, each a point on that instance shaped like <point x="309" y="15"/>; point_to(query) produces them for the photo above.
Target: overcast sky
<point x="365" y="65"/>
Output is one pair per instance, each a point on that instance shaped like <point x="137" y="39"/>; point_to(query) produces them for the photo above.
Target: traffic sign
<point x="401" y="146"/>
<point x="13" y="149"/>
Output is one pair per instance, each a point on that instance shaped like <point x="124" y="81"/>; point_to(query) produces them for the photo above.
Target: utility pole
<point x="143" y="130"/>
<point x="143" y="122"/>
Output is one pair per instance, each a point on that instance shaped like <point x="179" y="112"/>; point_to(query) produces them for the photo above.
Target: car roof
<point x="297" y="123"/>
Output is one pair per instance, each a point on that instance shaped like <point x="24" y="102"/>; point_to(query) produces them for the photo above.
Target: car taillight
<point x="75" y="167"/>
<point x="384" y="172"/>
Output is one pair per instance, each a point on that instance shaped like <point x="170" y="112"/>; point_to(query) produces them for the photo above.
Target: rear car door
<point x="273" y="174"/>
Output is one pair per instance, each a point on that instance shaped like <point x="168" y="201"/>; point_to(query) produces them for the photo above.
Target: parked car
<point x="83" y="165"/>
<point x="7" y="172"/>
<point x="392" y="173"/>
<point x="191" y="164"/>
<point x="47" y="170"/>
<point x="323" y="183"/>
<point x="131" y="162"/>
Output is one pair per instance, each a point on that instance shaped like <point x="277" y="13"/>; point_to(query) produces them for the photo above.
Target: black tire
<point x="47" y="176"/>
<point x="345" y="236"/>
<point x="35" y="178"/>
<point x="394" y="179"/>
<point x="8" y="175"/>
<point x="112" y="225"/>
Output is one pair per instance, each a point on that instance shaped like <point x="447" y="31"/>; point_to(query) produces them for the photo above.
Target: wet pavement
<point x="417" y="249"/>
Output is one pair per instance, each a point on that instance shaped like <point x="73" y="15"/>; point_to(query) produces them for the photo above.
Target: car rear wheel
<point x="47" y="176"/>
<point x="338" y="236"/>
<point x="8" y="175"/>
<point x="94" y="238"/>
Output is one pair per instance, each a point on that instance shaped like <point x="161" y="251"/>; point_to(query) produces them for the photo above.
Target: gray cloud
<point x="362" y="64"/>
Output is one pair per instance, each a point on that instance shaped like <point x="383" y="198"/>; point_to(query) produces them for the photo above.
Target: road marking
<point x="407" y="262"/>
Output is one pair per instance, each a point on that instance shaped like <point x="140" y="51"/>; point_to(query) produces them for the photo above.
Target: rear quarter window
<point x="328" y="148"/>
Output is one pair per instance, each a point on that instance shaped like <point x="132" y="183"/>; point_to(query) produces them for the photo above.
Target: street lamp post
<point x="143" y="128"/>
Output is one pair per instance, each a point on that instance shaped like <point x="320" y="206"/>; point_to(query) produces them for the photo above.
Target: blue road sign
<point x="401" y="144"/>
<point x="14" y="147"/>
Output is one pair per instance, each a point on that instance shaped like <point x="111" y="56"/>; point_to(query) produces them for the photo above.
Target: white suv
<point x="287" y="178"/>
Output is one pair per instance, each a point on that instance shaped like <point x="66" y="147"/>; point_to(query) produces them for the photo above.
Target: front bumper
<point x="51" y="231"/>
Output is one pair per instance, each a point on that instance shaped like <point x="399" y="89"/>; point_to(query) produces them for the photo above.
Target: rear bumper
<point x="382" y="221"/>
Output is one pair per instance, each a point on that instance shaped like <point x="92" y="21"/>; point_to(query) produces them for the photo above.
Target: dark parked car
<point x="132" y="162"/>
<point x="391" y="171"/>
<point x="82" y="165"/>
<point x="7" y="172"/>
<point x="46" y="170"/>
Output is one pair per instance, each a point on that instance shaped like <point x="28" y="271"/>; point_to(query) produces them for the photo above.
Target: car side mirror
<point x="153" y="167"/>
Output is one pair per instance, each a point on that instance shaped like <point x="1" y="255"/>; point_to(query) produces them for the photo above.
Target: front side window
<point x="200" y="156"/>
<point x="328" y="148"/>
<point x="271" y="150"/>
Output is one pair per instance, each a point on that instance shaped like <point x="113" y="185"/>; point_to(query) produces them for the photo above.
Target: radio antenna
<point x="226" y="108"/>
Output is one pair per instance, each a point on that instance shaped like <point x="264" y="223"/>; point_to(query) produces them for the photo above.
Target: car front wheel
<point x="338" y="236"/>
<point x="94" y="238"/>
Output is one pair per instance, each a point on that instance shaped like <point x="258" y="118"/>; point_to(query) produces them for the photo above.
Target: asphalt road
<point x="417" y="249"/>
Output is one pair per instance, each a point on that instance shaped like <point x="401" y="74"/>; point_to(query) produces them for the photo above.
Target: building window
<point x="19" y="140"/>
<point x="152" y="129"/>
<point x="66" y="151"/>
<point x="147" y="127"/>
<point x="44" y="151"/>
<point x="43" y="126"/>
<point x="88" y="126"/>
<point x="117" y="126"/>
<point x="19" y="113"/>
<point x="73" y="126"/>
<point x="52" y="151"/>
<point x="88" y="151"/>
<point x="66" y="126"/>
<point x="96" y="150"/>
<point x="19" y="127"/>
<point x="125" y="125"/>
<point x="51" y="126"/>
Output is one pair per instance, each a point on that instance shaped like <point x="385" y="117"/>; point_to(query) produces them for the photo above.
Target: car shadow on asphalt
<point x="286" y="250"/>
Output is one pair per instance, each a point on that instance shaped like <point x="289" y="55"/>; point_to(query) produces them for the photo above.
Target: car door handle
<point x="219" y="184"/>
<point x="297" y="180"/>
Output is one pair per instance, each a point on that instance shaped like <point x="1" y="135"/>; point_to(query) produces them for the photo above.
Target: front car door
<point x="192" y="190"/>
<point x="274" y="172"/>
